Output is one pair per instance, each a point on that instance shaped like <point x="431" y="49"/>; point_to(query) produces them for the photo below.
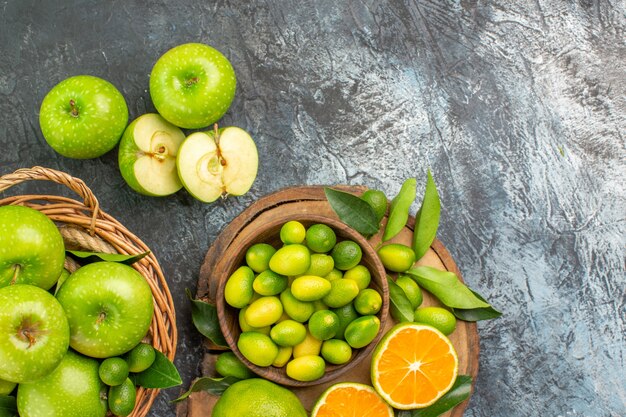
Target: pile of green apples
<point x="67" y="341"/>
<point x="191" y="86"/>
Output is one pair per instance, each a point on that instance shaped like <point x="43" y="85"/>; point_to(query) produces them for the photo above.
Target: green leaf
<point x="8" y="406"/>
<point x="90" y="257"/>
<point x="400" y="307"/>
<point x="459" y="392"/>
<point x="204" y="316"/>
<point x="476" y="314"/>
<point x="446" y="287"/>
<point x="162" y="374"/>
<point x="399" y="210"/>
<point x="353" y="211"/>
<point x="214" y="386"/>
<point x="426" y="219"/>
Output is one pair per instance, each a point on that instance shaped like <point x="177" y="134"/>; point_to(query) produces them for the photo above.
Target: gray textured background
<point x="518" y="108"/>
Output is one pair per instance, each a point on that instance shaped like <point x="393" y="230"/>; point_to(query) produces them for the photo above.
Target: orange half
<point x="349" y="399"/>
<point x="413" y="366"/>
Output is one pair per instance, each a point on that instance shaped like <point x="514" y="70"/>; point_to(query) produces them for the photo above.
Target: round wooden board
<point x="311" y="199"/>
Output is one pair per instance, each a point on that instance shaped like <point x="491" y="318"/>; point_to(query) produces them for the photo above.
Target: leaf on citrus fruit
<point x="214" y="386"/>
<point x="204" y="317"/>
<point x="476" y="314"/>
<point x="400" y="307"/>
<point x="459" y="392"/>
<point x="353" y="211"/>
<point x="162" y="374"/>
<point x="399" y="209"/>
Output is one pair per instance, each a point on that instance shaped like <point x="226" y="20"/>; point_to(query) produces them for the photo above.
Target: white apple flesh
<point x="147" y="155"/>
<point x="219" y="163"/>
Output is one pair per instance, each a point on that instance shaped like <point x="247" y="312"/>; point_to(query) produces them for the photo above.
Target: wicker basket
<point x="84" y="226"/>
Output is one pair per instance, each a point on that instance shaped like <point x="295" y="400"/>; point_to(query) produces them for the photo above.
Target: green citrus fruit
<point x="288" y="333"/>
<point x="320" y="238"/>
<point x="411" y="289"/>
<point x="362" y="331"/>
<point x="342" y="292"/>
<point x="359" y="274"/>
<point x="245" y="327"/>
<point x="346" y="314"/>
<point x="320" y="305"/>
<point x="321" y="265"/>
<point x="122" y="398"/>
<point x="257" y="348"/>
<point x="336" y="351"/>
<point x="228" y="364"/>
<point x="113" y="371"/>
<point x="368" y="301"/>
<point x="269" y="283"/>
<point x="258" y="256"/>
<point x="258" y="398"/>
<point x="292" y="232"/>
<point x="140" y="358"/>
<point x="284" y="354"/>
<point x="306" y="368"/>
<point x="310" y="288"/>
<point x="309" y="346"/>
<point x="297" y="310"/>
<point x="291" y="260"/>
<point x="396" y="257"/>
<point x="377" y="201"/>
<point x="264" y="312"/>
<point x="440" y="318"/>
<point x="334" y="274"/>
<point x="238" y="290"/>
<point x="323" y="324"/>
<point x="346" y="254"/>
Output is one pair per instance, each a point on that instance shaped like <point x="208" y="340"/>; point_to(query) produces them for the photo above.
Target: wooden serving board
<point x="311" y="199"/>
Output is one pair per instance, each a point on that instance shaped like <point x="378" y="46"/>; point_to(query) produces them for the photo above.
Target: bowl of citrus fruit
<point x="301" y="299"/>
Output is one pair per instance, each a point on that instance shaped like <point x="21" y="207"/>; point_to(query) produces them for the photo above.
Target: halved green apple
<point x="218" y="163"/>
<point x="147" y="155"/>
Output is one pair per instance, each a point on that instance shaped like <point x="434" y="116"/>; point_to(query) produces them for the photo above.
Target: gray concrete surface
<point x="517" y="106"/>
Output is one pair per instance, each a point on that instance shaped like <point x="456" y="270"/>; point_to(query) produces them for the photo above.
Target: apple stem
<point x="73" y="108"/>
<point x="191" y="81"/>
<point x="16" y="273"/>
<point x="30" y="337"/>
<point x="101" y="317"/>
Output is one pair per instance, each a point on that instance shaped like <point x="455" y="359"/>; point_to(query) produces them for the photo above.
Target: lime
<point x="258" y="256"/>
<point x="334" y="274"/>
<point x="346" y="254"/>
<point x="228" y="364"/>
<point x="288" y="333"/>
<point x="140" y="358"/>
<point x="377" y="201"/>
<point x="306" y="368"/>
<point x="362" y="331"/>
<point x="319" y="305"/>
<point x="258" y="397"/>
<point x="323" y="324"/>
<point x="269" y="283"/>
<point x="284" y="354"/>
<point x="309" y="346"/>
<point x="6" y="387"/>
<point x="296" y="309"/>
<point x="310" y="288"/>
<point x="122" y="398"/>
<point x="292" y="232"/>
<point x="291" y="260"/>
<point x="321" y="265"/>
<point x="320" y="238"/>
<point x="359" y="274"/>
<point x="411" y="289"/>
<point x="113" y="371"/>
<point x="368" y="301"/>
<point x="342" y="292"/>
<point x="336" y="351"/>
<point x="396" y="257"/>
<point x="245" y="327"/>
<point x="257" y="348"/>
<point x="238" y="290"/>
<point x="440" y="318"/>
<point x="346" y="314"/>
<point x="264" y="312"/>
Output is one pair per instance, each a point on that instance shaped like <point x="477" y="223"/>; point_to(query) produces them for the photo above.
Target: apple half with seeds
<point x="218" y="163"/>
<point x="147" y="155"/>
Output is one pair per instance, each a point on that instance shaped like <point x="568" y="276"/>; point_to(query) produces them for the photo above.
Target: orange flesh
<point x="352" y="402"/>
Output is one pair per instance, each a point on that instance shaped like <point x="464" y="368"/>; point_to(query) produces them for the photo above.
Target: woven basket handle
<point x="47" y="174"/>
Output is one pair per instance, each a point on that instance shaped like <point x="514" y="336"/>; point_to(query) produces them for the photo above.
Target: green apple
<point x="74" y="389"/>
<point x="83" y="117"/>
<point x="109" y="308"/>
<point x="34" y="333"/>
<point x="218" y="163"/>
<point x="147" y="155"/>
<point x="192" y="85"/>
<point x="7" y="387"/>
<point x="31" y="248"/>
